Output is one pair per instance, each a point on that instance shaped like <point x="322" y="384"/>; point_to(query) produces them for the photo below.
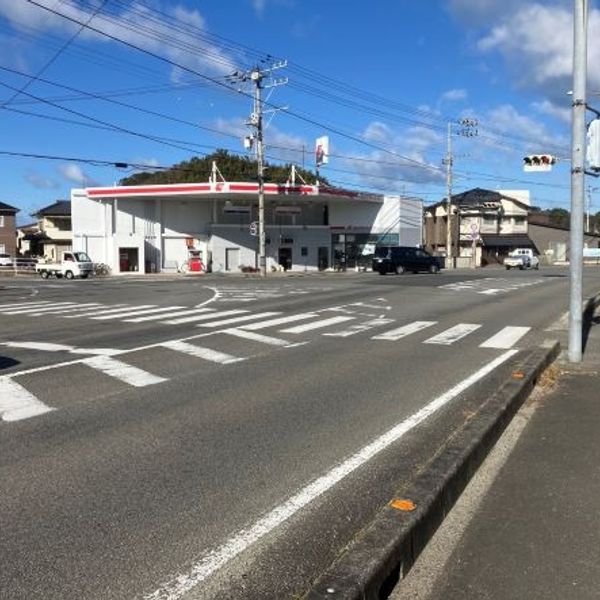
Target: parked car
<point x="71" y="265"/>
<point x="5" y="260"/>
<point x="399" y="259"/>
<point x="521" y="258"/>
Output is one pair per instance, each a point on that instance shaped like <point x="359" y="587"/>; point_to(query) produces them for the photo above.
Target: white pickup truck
<point x="72" y="264"/>
<point x="521" y="258"/>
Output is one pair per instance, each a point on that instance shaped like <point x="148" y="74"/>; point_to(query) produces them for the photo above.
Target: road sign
<point x="474" y="234"/>
<point x="254" y="228"/>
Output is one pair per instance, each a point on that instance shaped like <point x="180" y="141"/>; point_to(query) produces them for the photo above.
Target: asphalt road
<point x="190" y="438"/>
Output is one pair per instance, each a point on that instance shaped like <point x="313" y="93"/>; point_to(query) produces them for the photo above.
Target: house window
<point x="1" y="220"/>
<point x="489" y="220"/>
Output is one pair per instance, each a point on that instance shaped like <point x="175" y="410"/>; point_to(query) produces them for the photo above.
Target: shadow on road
<point x="589" y="319"/>
<point x="7" y="363"/>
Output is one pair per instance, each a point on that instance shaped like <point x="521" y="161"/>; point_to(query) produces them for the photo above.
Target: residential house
<point x="492" y="223"/>
<point x="8" y="232"/>
<point x="55" y="234"/>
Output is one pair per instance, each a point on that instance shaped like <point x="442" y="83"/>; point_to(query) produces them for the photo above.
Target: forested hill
<point x="233" y="168"/>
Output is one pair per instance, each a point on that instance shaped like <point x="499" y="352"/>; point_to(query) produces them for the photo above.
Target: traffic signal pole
<point x="580" y="18"/>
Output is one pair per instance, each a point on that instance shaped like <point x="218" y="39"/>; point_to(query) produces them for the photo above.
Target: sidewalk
<point x="534" y="533"/>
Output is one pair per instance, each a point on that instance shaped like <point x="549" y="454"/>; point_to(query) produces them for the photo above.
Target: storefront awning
<point x="514" y="240"/>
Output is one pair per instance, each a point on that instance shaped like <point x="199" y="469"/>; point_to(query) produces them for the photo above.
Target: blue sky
<point x="382" y="79"/>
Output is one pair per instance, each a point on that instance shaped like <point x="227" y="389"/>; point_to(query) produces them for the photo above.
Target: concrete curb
<point x="385" y="551"/>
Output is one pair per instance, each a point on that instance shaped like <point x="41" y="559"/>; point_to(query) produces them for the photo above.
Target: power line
<point x="55" y="56"/>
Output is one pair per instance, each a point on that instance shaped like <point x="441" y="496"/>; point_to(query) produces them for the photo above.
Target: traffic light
<point x="593" y="145"/>
<point x="538" y="162"/>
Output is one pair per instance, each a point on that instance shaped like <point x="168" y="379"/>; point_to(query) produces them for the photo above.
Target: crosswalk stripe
<point x="11" y="306"/>
<point x="88" y="306"/>
<point x="453" y="334"/>
<point x="506" y="338"/>
<point x="238" y="319"/>
<point x="109" y="308"/>
<point x="122" y="371"/>
<point x="17" y="403"/>
<point x="360" y="327"/>
<point x="400" y="332"/>
<point x="316" y="325"/>
<point x="178" y="313"/>
<point x="279" y="321"/>
<point x="193" y="318"/>
<point x="201" y="352"/>
<point x="26" y="311"/>
<point x="137" y="311"/>
<point x="257" y="337"/>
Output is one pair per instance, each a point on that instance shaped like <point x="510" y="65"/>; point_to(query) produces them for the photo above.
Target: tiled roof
<point x="60" y="208"/>
<point x="8" y="208"/>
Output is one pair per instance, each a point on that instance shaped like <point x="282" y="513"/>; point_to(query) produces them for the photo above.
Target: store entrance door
<point x="323" y="258"/>
<point x="128" y="260"/>
<point x="285" y="258"/>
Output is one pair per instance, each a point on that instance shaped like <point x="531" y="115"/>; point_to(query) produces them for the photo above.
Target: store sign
<point x="322" y="151"/>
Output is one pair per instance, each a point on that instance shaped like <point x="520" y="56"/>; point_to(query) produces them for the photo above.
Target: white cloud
<point x="129" y="26"/>
<point x="454" y="95"/>
<point x="546" y="107"/>
<point x="535" y="40"/>
<point x="259" y="6"/>
<point x="75" y="174"/>
<point x="279" y="146"/>
<point x="39" y="181"/>
<point x="377" y="132"/>
<point x="506" y="124"/>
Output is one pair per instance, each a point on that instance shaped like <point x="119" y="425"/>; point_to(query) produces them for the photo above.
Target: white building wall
<point x="160" y="227"/>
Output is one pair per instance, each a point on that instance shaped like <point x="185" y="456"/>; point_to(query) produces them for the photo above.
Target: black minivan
<point x="398" y="259"/>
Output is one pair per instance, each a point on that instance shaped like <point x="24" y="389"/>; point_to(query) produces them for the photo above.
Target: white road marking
<point x="317" y="325"/>
<point x="238" y="319"/>
<point x="360" y="327"/>
<point x="17" y="403"/>
<point x="50" y="347"/>
<point x="110" y="308"/>
<point x="11" y="306"/>
<point x="122" y="371"/>
<point x="279" y="321"/>
<point x="396" y="334"/>
<point x="506" y="338"/>
<point x="194" y="318"/>
<point x="63" y="305"/>
<point x="136" y="311"/>
<point x="80" y="307"/>
<point x="200" y="352"/>
<point x="241" y="541"/>
<point x="257" y="337"/>
<point x="187" y="311"/>
<point x="453" y="334"/>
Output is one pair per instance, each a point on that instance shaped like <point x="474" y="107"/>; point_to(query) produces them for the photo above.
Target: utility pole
<point x="468" y="130"/>
<point x="448" y="162"/>
<point x="578" y="140"/>
<point x="256" y="76"/>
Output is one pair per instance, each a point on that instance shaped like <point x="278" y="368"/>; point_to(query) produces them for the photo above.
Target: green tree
<point x="559" y="217"/>
<point x="232" y="167"/>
